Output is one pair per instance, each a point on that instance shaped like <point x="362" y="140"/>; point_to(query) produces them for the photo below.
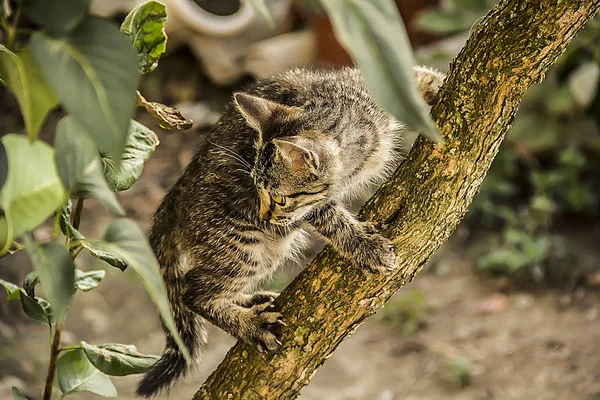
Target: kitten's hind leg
<point x="428" y="82"/>
<point x="257" y="325"/>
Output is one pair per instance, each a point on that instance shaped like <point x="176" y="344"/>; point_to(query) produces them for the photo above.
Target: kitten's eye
<point x="279" y="199"/>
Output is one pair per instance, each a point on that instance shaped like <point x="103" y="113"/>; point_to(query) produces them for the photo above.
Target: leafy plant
<point x="409" y="313"/>
<point x="453" y="15"/>
<point x="90" y="68"/>
<point x="457" y="371"/>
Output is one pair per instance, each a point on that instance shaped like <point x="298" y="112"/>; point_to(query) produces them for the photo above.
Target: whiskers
<point x="239" y="160"/>
<point x="246" y="167"/>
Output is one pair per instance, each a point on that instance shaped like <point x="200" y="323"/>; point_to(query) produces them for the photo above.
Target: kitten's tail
<point x="192" y="328"/>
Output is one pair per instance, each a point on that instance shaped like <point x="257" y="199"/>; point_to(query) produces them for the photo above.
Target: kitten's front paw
<point x="369" y="227"/>
<point x="265" y="328"/>
<point x="376" y="255"/>
<point x="263" y="297"/>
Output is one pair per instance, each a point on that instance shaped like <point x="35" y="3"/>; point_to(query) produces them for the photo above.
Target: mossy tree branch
<point x="421" y="205"/>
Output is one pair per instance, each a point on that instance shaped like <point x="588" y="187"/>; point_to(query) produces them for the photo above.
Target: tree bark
<point x="421" y="205"/>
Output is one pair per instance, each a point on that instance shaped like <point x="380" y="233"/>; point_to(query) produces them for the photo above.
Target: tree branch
<point x="421" y="205"/>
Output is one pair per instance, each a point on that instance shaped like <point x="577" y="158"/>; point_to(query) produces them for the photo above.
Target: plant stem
<point x="11" y="30"/>
<point x="77" y="215"/>
<point x="7" y="9"/>
<point x="67" y="348"/>
<point x="54" y="351"/>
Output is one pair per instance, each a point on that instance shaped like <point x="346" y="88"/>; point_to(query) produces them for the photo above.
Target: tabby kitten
<point x="284" y="159"/>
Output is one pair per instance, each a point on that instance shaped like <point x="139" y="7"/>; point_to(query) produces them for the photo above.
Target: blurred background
<point x="507" y="309"/>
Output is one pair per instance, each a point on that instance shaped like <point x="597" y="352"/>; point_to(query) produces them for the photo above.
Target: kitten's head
<point x="295" y="167"/>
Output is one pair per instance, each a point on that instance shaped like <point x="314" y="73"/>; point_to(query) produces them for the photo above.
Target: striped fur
<point x="285" y="157"/>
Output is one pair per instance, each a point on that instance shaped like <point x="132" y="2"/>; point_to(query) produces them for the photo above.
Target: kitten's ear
<point x="257" y="111"/>
<point x="296" y="156"/>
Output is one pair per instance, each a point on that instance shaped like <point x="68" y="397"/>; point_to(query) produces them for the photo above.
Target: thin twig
<point x="54" y="351"/>
<point x="77" y="214"/>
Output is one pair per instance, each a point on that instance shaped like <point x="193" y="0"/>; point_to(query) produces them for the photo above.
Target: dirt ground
<point x="521" y="345"/>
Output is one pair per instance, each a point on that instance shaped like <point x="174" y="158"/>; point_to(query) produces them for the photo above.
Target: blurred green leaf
<point x="32" y="190"/>
<point x="126" y="240"/>
<point x="65" y="224"/>
<point x="23" y="78"/>
<point x="30" y="282"/>
<point x="374" y="35"/>
<point x="559" y="101"/>
<point x="458" y="371"/>
<point x="3" y="165"/>
<point x="37" y="309"/>
<point x="79" y="165"/>
<point x="56" y="271"/>
<point x="93" y="73"/>
<point x="534" y="133"/>
<point x="17" y="395"/>
<point x="118" y="359"/>
<point x="10" y="288"/>
<point x="95" y="251"/>
<point x="103" y="254"/>
<point x="479" y="5"/>
<point x="58" y="16"/>
<point x="86" y="281"/>
<point x="583" y="83"/>
<point x="444" y="22"/>
<point x="145" y="27"/>
<point x="74" y="373"/>
<point x="141" y="143"/>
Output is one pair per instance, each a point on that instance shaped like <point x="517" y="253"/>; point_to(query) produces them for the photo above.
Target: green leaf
<point x="10" y="288"/>
<point x="443" y="22"/>
<point x="126" y="240"/>
<point x="65" y="225"/>
<point x="17" y="395"/>
<point x="93" y="73"/>
<point x="35" y="308"/>
<point x="261" y="9"/>
<point x="47" y="309"/>
<point x="141" y="143"/>
<point x="74" y="373"/>
<point x="3" y="165"/>
<point x="104" y="255"/>
<point x="74" y="234"/>
<point x="374" y="35"/>
<point x="22" y="76"/>
<point x="32" y="190"/>
<point x="30" y="282"/>
<point x="56" y="270"/>
<point x="86" y="281"/>
<point x="79" y="165"/>
<point x="58" y="16"/>
<point x="118" y="359"/>
<point x="145" y="27"/>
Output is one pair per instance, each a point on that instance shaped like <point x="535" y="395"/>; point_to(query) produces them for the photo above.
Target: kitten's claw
<point x="369" y="227"/>
<point x="263" y="297"/>
<point x="377" y="255"/>
<point x="265" y="328"/>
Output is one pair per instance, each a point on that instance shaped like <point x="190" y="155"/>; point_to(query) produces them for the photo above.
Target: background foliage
<point x="57" y="55"/>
